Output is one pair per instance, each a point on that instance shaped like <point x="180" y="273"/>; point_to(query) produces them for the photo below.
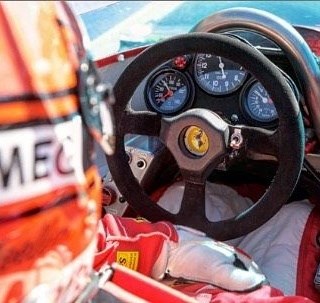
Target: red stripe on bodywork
<point x="114" y="58"/>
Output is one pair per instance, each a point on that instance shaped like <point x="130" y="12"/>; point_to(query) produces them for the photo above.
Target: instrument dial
<point x="258" y="105"/>
<point x="168" y="92"/>
<point x="218" y="76"/>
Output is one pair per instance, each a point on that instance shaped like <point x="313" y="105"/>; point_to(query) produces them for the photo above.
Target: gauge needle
<point x="264" y="99"/>
<point x="169" y="92"/>
<point x="166" y="85"/>
<point x="221" y="66"/>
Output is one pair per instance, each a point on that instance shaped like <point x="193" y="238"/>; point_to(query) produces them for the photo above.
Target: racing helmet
<point x="52" y="104"/>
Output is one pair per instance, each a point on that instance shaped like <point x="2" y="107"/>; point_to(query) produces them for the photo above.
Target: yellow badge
<point x="128" y="259"/>
<point x="196" y="141"/>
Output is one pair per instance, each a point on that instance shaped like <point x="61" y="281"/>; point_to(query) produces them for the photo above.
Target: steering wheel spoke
<point x="193" y="202"/>
<point x="141" y="123"/>
<point x="256" y="139"/>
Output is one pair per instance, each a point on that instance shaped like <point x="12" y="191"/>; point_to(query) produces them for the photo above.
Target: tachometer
<point x="257" y="104"/>
<point x="218" y="76"/>
<point x="169" y="91"/>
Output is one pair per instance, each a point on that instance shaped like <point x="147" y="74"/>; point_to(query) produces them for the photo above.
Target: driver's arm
<point x="157" y="249"/>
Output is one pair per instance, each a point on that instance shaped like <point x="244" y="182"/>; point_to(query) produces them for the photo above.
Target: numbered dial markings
<point x="168" y="92"/>
<point x="258" y="104"/>
<point x="217" y="75"/>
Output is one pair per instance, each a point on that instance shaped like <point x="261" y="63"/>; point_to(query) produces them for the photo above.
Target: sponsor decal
<point x="129" y="259"/>
<point x="36" y="160"/>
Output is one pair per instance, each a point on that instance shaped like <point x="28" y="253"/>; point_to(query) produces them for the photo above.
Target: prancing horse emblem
<point x="196" y="141"/>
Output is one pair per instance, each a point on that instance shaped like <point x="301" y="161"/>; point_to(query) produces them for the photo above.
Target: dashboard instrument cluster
<point x="212" y="82"/>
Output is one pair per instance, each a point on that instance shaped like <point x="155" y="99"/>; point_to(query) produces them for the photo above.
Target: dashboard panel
<point x="215" y="83"/>
<point x="230" y="106"/>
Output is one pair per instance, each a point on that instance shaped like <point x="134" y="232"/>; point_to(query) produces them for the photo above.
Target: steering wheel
<point x="286" y="143"/>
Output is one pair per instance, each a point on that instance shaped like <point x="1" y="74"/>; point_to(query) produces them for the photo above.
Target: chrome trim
<point x="289" y="40"/>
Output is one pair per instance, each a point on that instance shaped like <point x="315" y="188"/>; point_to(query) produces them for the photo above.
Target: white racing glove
<point x="199" y="258"/>
<point x="156" y="249"/>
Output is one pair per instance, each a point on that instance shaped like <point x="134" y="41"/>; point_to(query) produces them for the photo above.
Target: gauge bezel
<point x="190" y="91"/>
<point x="245" y="110"/>
<point x="210" y="92"/>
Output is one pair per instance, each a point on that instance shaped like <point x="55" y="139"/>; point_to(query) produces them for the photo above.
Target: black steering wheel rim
<point x="290" y="131"/>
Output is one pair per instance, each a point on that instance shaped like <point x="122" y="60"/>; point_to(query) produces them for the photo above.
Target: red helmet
<point x="51" y="104"/>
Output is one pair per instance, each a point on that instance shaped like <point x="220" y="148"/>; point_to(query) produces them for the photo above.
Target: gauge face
<point x="168" y="92"/>
<point x="218" y="76"/>
<point x="258" y="105"/>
